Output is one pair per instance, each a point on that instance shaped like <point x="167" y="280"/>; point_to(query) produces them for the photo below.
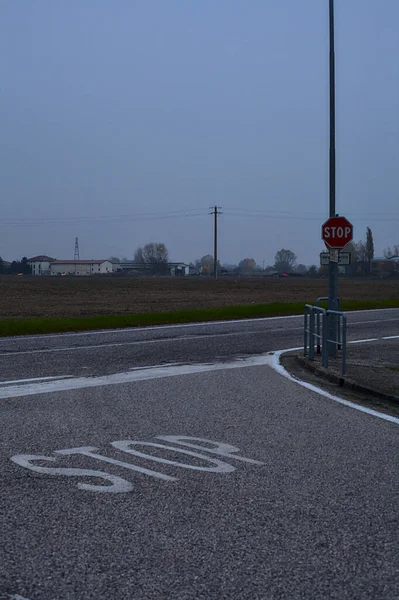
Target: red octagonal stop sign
<point x="337" y="232"/>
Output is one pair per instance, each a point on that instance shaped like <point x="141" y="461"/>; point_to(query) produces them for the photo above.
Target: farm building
<point x="80" y="267"/>
<point x="40" y="265"/>
<point x="385" y="267"/>
<point x="173" y="269"/>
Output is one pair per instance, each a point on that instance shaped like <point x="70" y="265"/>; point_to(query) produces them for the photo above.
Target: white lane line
<point x="391" y="337"/>
<point x="363" y="341"/>
<point x="182" y="325"/>
<point x="155" y="327"/>
<point x="35" y="379"/>
<point x="18" y="597"/>
<point x="375" y="321"/>
<point x="49" y="387"/>
<point x="184" y="338"/>
<point x="275" y="363"/>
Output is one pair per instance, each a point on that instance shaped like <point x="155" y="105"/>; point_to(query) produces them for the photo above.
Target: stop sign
<point x="337" y="232"/>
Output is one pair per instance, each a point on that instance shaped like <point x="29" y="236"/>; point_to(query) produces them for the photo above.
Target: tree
<point x="352" y="268"/>
<point x="139" y="256"/>
<point x="2" y="268"/>
<point x="369" y="248"/>
<point x="312" y="271"/>
<point x="154" y="255"/>
<point x="284" y="261"/>
<point x="20" y="266"/>
<point x="301" y="269"/>
<point x="362" y="256"/>
<point x="247" y="265"/>
<point x="206" y="265"/>
<point x="114" y="259"/>
<point x="391" y="252"/>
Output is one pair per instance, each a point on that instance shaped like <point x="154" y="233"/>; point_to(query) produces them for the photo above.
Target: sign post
<point x="336" y="233"/>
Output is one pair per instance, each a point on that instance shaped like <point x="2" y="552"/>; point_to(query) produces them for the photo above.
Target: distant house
<point x="385" y="267"/>
<point x="181" y="269"/>
<point x="40" y="265"/>
<point x="80" y="267"/>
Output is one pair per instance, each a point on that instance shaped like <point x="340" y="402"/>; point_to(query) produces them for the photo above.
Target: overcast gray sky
<point x="114" y="111"/>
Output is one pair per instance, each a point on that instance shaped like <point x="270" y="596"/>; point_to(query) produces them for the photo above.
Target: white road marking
<point x="221" y="449"/>
<point x="118" y="485"/>
<point x="18" y="597"/>
<point x="278" y="367"/>
<point x="374" y="322"/>
<point x="181" y="325"/>
<point x="184" y="338"/>
<point x="391" y="337"/>
<point x="363" y="341"/>
<point x="150" y="373"/>
<point x="90" y="452"/>
<point x="50" y="387"/>
<point x="36" y="379"/>
<point x="158" y="327"/>
<point x="221" y="467"/>
<point x="121" y="485"/>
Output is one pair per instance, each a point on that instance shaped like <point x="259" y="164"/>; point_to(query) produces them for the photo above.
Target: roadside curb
<point x="345" y="381"/>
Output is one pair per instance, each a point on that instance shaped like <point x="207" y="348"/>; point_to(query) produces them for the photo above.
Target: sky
<point x="124" y="121"/>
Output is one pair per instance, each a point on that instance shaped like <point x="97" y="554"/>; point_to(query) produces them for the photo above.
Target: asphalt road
<point x="100" y="353"/>
<point x="305" y="506"/>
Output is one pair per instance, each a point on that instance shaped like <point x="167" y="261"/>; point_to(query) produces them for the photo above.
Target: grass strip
<point x="36" y="325"/>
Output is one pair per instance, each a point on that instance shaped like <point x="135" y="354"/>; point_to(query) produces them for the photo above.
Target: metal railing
<point x="317" y="324"/>
<point x="325" y="299"/>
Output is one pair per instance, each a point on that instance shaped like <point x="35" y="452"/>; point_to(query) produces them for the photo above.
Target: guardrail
<point x="317" y="324"/>
<point x="325" y="299"/>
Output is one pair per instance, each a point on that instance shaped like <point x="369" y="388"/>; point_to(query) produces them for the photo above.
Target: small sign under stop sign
<point x="337" y="232"/>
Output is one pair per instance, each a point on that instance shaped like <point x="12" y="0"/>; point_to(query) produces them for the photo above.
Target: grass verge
<point x="12" y="327"/>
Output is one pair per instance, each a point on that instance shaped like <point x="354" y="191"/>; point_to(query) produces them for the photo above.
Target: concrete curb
<point x="344" y="381"/>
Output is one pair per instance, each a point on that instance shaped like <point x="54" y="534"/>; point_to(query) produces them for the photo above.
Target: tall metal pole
<point x="215" y="244"/>
<point x="333" y="267"/>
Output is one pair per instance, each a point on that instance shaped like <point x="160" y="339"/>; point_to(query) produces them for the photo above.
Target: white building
<point x="80" y="267"/>
<point x="40" y="265"/>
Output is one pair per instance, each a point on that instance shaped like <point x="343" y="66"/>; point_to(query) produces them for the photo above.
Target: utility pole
<point x="333" y="266"/>
<point x="215" y="212"/>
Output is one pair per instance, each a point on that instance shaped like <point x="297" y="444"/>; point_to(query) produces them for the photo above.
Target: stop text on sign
<point x="336" y="232"/>
<point x="203" y="450"/>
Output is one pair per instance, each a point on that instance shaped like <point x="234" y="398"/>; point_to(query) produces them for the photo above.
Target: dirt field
<point x="61" y="297"/>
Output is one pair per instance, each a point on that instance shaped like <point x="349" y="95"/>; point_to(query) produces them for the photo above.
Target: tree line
<point x="17" y="266"/>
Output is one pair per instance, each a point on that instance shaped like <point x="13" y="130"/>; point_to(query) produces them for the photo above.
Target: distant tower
<point x="76" y="255"/>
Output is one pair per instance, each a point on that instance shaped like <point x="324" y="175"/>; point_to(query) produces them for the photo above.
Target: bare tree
<point x="391" y="252"/>
<point x="284" y="261"/>
<point x="154" y="255"/>
<point x="139" y="256"/>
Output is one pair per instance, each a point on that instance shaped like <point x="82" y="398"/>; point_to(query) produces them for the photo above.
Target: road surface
<point x="175" y="463"/>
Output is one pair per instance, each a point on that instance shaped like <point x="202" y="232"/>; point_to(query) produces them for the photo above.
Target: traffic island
<point x="372" y="372"/>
